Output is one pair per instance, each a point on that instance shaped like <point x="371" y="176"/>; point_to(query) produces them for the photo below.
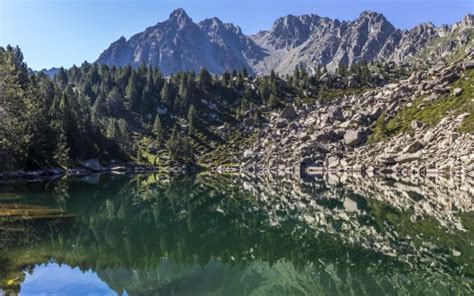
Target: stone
<point x="407" y="157"/>
<point x="413" y="147"/>
<point x="350" y="205"/>
<point x="355" y="137"/>
<point x="281" y="123"/>
<point x="428" y="137"/>
<point x="288" y="113"/>
<point x="416" y="124"/>
<point x="332" y="162"/>
<point x="335" y="114"/>
<point x="321" y="137"/>
<point x="93" y="165"/>
<point x="468" y="65"/>
<point x="447" y="78"/>
<point x="457" y="91"/>
<point x="375" y="113"/>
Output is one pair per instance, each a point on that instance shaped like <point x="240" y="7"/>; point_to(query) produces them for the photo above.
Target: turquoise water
<point x="215" y="235"/>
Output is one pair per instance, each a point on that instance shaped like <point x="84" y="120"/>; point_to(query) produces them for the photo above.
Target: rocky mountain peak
<point x="180" y="17"/>
<point x="375" y="22"/>
<point x="293" y="41"/>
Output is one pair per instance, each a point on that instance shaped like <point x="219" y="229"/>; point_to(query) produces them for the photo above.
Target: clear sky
<point x="66" y="32"/>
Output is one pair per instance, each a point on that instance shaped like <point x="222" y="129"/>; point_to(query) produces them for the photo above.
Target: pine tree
<point x="205" y="79"/>
<point x="191" y="120"/>
<point x="167" y="94"/>
<point x="157" y="129"/>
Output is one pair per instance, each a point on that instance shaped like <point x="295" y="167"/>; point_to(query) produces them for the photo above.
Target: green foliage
<point x="180" y="147"/>
<point x="96" y="111"/>
<point x="158" y="130"/>
<point x="431" y="112"/>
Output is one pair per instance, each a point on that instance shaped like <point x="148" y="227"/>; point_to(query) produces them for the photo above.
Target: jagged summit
<point x="307" y="41"/>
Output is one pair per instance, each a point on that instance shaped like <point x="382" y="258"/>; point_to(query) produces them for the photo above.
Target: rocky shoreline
<point x="88" y="167"/>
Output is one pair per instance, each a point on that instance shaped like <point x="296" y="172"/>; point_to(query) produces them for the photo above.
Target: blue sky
<point x="66" y="32"/>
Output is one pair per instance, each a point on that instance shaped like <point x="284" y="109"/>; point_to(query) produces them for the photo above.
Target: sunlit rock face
<point x="304" y="41"/>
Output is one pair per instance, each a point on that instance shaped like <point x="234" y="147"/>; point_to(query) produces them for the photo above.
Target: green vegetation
<point x="109" y="113"/>
<point x="431" y="112"/>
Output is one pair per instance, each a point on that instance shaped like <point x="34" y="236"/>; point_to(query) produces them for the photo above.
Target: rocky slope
<point x="421" y="124"/>
<point x="293" y="41"/>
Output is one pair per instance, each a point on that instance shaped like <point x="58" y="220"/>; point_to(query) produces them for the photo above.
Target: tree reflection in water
<point x="238" y="235"/>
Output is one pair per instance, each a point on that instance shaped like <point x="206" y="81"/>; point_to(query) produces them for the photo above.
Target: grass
<point x="430" y="113"/>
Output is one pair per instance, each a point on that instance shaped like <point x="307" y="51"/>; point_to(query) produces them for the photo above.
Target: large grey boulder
<point x="413" y="147"/>
<point x="289" y="113"/>
<point x="281" y="123"/>
<point x="468" y="65"/>
<point x="416" y="124"/>
<point x="335" y="114"/>
<point x="457" y="91"/>
<point x="93" y="165"/>
<point x="355" y="137"/>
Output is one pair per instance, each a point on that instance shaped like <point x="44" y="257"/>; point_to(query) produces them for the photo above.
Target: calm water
<point x="214" y="235"/>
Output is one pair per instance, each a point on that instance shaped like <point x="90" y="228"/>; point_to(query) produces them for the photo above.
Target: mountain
<point x="180" y="44"/>
<point x="293" y="41"/>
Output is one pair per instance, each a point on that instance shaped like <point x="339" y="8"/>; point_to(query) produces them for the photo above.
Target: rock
<point x="432" y="97"/>
<point x="355" y="137"/>
<point x="321" y="137"/>
<point x="248" y="153"/>
<point x="416" y="124"/>
<point x="447" y="78"/>
<point x="335" y="114"/>
<point x="332" y="162"/>
<point x="407" y="157"/>
<point x="468" y="65"/>
<point x="281" y="123"/>
<point x="428" y="137"/>
<point x="93" y="165"/>
<point x="375" y="113"/>
<point x="457" y="91"/>
<point x="413" y="147"/>
<point x="350" y="205"/>
<point x="288" y="113"/>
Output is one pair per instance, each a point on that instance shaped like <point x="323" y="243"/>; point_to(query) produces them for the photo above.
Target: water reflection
<point x="215" y="235"/>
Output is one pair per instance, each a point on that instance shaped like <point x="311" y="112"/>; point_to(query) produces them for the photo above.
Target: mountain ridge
<point x="180" y="44"/>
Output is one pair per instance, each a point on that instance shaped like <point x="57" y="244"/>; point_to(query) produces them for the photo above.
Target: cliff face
<point x="293" y="41"/>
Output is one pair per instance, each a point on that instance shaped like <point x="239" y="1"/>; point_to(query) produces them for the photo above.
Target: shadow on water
<point x="236" y="235"/>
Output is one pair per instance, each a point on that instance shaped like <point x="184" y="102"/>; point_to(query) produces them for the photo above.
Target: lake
<point x="237" y="235"/>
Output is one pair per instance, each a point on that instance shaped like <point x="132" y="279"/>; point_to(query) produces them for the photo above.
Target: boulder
<point x="289" y="113"/>
<point x="448" y="77"/>
<point x="321" y="137"/>
<point x="416" y="124"/>
<point x="281" y="123"/>
<point x="93" y="165"/>
<point x="468" y="65"/>
<point x="335" y="114"/>
<point x="355" y="137"/>
<point x="457" y="91"/>
<point x="413" y="147"/>
<point x="350" y="205"/>
<point x="332" y="162"/>
<point x="375" y="113"/>
<point x="403" y="158"/>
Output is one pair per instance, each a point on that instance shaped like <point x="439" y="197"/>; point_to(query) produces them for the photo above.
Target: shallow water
<point x="215" y="235"/>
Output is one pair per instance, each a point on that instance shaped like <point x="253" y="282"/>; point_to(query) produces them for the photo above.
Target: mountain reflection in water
<point x="236" y="235"/>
